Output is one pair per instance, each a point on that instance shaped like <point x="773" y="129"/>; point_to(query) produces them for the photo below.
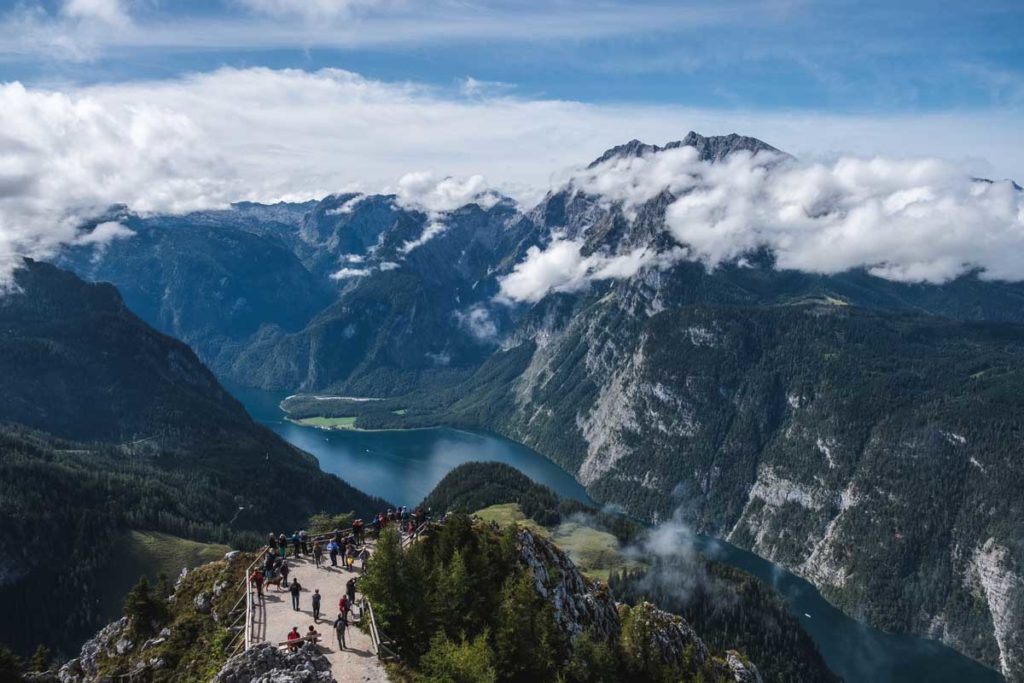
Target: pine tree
<point x="145" y="610"/>
<point x="526" y="640"/>
<point x="464" y="662"/>
<point x="40" y="659"/>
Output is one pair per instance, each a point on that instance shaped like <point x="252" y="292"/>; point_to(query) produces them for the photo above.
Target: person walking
<point x="340" y="624"/>
<point x="316" y="604"/>
<point x="318" y="554"/>
<point x="295" y="590"/>
<point x="257" y="582"/>
<point x="282" y="545"/>
<point x="332" y="550"/>
<point x="364" y="555"/>
<point x="304" y="542"/>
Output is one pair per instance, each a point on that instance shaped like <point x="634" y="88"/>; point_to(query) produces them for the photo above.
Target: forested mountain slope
<point x="108" y="425"/>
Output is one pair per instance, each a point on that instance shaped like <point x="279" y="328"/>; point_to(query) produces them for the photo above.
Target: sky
<point x="171" y="106"/>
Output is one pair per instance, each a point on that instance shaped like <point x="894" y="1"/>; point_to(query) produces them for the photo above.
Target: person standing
<point x="285" y="570"/>
<point x="343" y="605"/>
<point x="318" y="553"/>
<point x="295" y="590"/>
<point x="332" y="549"/>
<point x="257" y="582"/>
<point x="316" y="605"/>
<point x="340" y="624"/>
<point x="364" y="555"/>
<point x="304" y="542"/>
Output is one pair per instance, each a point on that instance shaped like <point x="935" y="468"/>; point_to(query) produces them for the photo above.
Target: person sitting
<point x="312" y="635"/>
<point x="293" y="638"/>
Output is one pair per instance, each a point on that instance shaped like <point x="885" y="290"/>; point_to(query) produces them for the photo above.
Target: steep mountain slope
<point x="106" y="426"/>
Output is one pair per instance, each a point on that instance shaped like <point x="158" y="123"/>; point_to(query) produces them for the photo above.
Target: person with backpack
<point x="316" y="604"/>
<point x="364" y="555"/>
<point x="304" y="542"/>
<point x="340" y="624"/>
<point x="332" y="550"/>
<point x="295" y="590"/>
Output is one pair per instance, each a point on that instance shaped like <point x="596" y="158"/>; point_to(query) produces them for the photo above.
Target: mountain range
<point x="862" y="431"/>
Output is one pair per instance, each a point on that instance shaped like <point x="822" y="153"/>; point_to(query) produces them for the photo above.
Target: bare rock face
<point x="741" y="669"/>
<point x="581" y="605"/>
<point x="264" y="663"/>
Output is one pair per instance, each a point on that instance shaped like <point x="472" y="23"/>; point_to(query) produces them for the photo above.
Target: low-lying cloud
<point x="918" y="220"/>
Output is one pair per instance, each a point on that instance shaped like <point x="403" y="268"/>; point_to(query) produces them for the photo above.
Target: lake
<point x="404" y="466"/>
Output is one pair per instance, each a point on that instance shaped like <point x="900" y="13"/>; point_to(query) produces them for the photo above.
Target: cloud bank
<point x="208" y="139"/>
<point x="919" y="220"/>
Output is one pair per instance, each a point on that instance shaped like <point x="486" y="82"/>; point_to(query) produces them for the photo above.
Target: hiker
<point x="364" y="555"/>
<point x="375" y="526"/>
<point x="293" y="638"/>
<point x="312" y="635"/>
<point x="350" y="590"/>
<point x="282" y="545"/>
<point x="357" y="530"/>
<point x="340" y="624"/>
<point x="257" y="581"/>
<point x="295" y="590"/>
<point x="285" y="570"/>
<point x="304" y="542"/>
<point x="343" y="605"/>
<point x="316" y="604"/>
<point x="332" y="550"/>
<point x="318" y="554"/>
<point x="296" y="544"/>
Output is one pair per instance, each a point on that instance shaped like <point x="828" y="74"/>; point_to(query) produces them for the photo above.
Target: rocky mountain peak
<point x="712" y="148"/>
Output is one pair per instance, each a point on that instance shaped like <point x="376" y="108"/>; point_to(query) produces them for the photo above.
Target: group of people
<point x="348" y="547"/>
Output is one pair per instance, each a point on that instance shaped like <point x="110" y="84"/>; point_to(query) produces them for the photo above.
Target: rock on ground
<point x="265" y="663"/>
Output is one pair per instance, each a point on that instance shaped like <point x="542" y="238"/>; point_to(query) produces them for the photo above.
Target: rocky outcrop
<point x="581" y="605"/>
<point x="264" y="663"/>
<point x="104" y="644"/>
<point x="670" y="635"/>
<point x="741" y="669"/>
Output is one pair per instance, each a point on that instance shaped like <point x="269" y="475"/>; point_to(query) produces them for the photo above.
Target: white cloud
<point x="112" y="12"/>
<point x="308" y="9"/>
<point x="918" y="220"/>
<point x="208" y="139"/>
<point x="478" y="322"/>
<point x="908" y="220"/>
<point x="562" y="267"/>
<point x="424" y="191"/>
<point x="349" y="273"/>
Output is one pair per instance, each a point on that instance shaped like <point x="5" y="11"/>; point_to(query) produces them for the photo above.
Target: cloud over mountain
<point x="209" y="139"/>
<point x="916" y="220"/>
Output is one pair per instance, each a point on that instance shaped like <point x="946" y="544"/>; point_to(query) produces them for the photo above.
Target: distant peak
<point x="712" y="148"/>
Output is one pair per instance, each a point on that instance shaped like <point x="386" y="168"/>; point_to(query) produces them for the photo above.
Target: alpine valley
<point x="864" y="432"/>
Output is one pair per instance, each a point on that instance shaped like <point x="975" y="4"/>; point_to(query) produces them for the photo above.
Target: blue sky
<point x="827" y="56"/>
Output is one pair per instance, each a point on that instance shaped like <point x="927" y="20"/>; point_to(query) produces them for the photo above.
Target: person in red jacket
<point x="343" y="606"/>
<point x="257" y="581"/>
<point x="293" y="638"/>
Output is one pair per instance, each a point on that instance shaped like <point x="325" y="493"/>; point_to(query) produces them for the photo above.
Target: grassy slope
<point x="149" y="553"/>
<point x="595" y="552"/>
